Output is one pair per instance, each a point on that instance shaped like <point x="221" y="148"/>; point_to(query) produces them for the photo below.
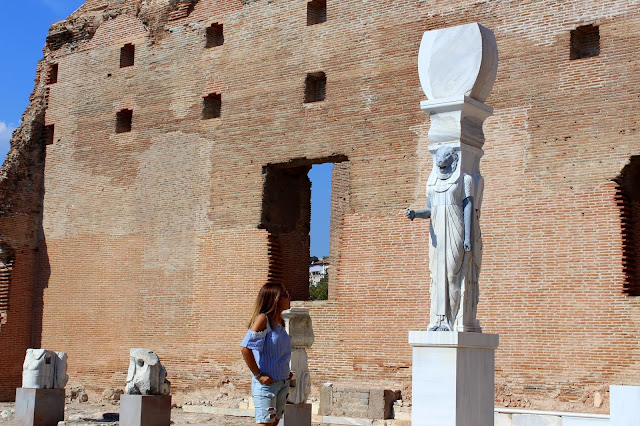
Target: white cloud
<point x="5" y="136"/>
<point x="5" y="132"/>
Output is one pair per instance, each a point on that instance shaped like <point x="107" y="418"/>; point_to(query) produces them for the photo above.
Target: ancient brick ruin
<point x="160" y="177"/>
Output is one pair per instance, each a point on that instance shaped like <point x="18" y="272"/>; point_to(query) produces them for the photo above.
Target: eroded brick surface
<point x="152" y="237"/>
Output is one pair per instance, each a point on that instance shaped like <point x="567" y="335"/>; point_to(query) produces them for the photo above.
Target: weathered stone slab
<point x="39" y="407"/>
<point x="145" y="410"/>
<point x="326" y="400"/>
<point x="297" y="415"/>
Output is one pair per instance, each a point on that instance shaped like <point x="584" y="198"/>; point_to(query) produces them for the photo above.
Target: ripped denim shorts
<point x="269" y="400"/>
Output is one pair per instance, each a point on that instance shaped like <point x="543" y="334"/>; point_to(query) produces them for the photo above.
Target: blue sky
<point x="23" y="30"/>
<point x="320" y="176"/>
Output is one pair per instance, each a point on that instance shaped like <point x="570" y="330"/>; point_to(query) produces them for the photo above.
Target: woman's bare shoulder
<point x="260" y="323"/>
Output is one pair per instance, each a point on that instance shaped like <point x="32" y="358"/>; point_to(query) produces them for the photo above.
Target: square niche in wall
<point x="123" y="120"/>
<point x="315" y="87"/>
<point x="316" y="12"/>
<point x="585" y="42"/>
<point x="215" y="35"/>
<point x="211" y="106"/>
<point x="127" y="55"/>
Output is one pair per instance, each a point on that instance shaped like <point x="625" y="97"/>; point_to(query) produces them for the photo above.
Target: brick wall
<point x="152" y="237"/>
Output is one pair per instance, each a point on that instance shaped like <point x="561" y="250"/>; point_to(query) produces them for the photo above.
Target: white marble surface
<point x="300" y="328"/>
<point x="457" y="67"/>
<point x="44" y="369"/>
<point x="624" y="405"/>
<point x="457" y="119"/>
<point x="453" y="378"/>
<point x="299" y="393"/>
<point x="453" y="339"/>
<point x="460" y="60"/>
<point x="505" y="416"/>
<point x="535" y="420"/>
<point x="146" y="375"/>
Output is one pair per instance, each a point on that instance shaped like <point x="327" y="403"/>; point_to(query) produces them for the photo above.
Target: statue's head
<point x="446" y="161"/>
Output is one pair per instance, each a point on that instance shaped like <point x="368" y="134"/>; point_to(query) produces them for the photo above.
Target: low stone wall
<point x="357" y="402"/>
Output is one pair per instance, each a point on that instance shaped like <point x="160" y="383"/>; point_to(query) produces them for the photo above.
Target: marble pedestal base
<point x="453" y="378"/>
<point x="297" y="415"/>
<point x="39" y="407"/>
<point x="145" y="410"/>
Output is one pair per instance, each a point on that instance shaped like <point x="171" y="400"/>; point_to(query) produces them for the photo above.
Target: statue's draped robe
<point x="446" y="252"/>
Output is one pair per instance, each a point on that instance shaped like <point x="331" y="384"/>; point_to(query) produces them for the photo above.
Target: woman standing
<point x="266" y="349"/>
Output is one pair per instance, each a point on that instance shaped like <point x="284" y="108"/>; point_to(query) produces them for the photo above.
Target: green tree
<point x="320" y="291"/>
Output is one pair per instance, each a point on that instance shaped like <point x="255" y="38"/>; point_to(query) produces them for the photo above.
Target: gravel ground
<point x="107" y="414"/>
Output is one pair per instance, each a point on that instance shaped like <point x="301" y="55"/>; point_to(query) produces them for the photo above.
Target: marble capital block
<point x="297" y="415"/>
<point x="39" y="407"/>
<point x="625" y="403"/>
<point x="453" y="378"/>
<point x="145" y="410"/>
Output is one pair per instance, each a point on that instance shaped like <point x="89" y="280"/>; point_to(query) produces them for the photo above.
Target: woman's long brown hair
<point x="267" y="301"/>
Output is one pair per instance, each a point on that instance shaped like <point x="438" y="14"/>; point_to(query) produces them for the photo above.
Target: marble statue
<point x="146" y="376"/>
<point x="300" y="329"/>
<point x="44" y="369"/>
<point x="457" y="67"/>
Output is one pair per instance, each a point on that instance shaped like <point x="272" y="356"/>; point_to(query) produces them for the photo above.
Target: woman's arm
<point x="260" y="324"/>
<point x="247" y="354"/>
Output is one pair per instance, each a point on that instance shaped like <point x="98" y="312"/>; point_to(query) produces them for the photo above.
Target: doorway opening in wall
<point x="628" y="200"/>
<point x="320" y="230"/>
<point x="302" y="212"/>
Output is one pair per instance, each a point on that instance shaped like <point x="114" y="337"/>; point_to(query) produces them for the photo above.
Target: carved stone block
<point x="39" y="407"/>
<point x="146" y="376"/>
<point x="145" y="410"/>
<point x="44" y="369"/>
<point x="453" y="378"/>
<point x="297" y="415"/>
<point x="300" y="329"/>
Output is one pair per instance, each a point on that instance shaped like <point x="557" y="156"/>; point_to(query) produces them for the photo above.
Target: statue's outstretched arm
<point x="421" y="213"/>
<point x="468" y="222"/>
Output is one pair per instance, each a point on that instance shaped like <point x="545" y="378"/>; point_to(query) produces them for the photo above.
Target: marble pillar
<point x="453" y="362"/>
<point x="452" y="378"/>
<point x="300" y="329"/>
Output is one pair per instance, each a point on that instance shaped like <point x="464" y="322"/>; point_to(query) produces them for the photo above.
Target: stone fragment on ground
<point x="77" y="393"/>
<point x="111" y="395"/>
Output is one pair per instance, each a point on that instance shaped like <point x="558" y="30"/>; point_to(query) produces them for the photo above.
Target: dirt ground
<point x="77" y="413"/>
